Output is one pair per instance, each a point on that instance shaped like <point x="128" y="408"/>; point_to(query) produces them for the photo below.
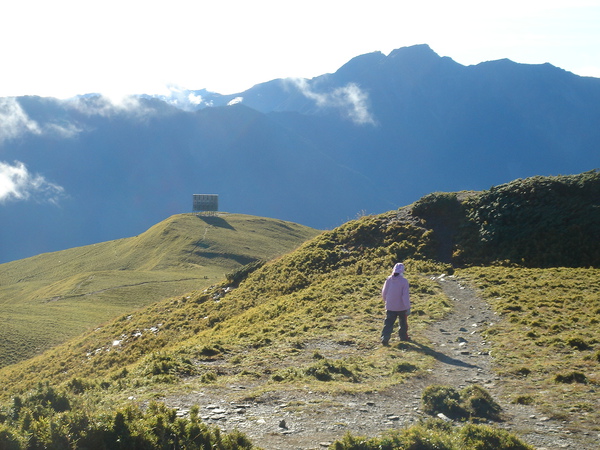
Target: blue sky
<point x="66" y="47"/>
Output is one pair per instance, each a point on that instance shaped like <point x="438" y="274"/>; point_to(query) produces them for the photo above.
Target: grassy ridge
<point x="46" y="299"/>
<point x="325" y="294"/>
<point x="310" y="319"/>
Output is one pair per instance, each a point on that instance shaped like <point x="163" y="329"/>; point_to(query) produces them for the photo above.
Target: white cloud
<point x="14" y="121"/>
<point x="235" y="101"/>
<point x="67" y="130"/>
<point x="18" y="184"/>
<point x="101" y="105"/>
<point x="182" y="98"/>
<point x="194" y="99"/>
<point x="351" y="100"/>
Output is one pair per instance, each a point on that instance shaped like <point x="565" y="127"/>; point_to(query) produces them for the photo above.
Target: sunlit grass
<point x="310" y="319"/>
<point x="546" y="345"/>
<point x="49" y="298"/>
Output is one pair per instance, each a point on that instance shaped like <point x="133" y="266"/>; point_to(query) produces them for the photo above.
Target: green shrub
<point x="325" y="370"/>
<point x="473" y="403"/>
<point x="536" y="222"/>
<point x="9" y="440"/>
<point x="442" y="399"/>
<point x="523" y="371"/>
<point x="436" y="435"/>
<point x="578" y="343"/>
<point x="573" y="377"/>
<point x="523" y="400"/>
<point x="479" y="404"/>
<point x="128" y="427"/>
<point x="163" y="363"/>
<point x="209" y="350"/>
<point x="404" y="367"/>
<point x="208" y="377"/>
<point x="237" y="276"/>
<point x="48" y="397"/>
<point x="484" y="437"/>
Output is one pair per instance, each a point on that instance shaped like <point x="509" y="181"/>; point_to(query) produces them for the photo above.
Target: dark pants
<point x="388" y="325"/>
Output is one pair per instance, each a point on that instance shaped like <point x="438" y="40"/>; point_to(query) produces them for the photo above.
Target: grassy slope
<point x="323" y="295"/>
<point x="49" y="298"/>
<point x="311" y="318"/>
<point x="546" y="348"/>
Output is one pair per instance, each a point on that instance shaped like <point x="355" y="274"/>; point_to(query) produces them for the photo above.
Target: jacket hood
<point x="398" y="268"/>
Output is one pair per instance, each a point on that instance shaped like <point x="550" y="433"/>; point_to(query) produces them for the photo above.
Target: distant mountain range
<point x="377" y="134"/>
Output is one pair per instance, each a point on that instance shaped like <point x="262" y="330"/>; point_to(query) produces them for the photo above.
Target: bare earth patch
<point x="302" y="419"/>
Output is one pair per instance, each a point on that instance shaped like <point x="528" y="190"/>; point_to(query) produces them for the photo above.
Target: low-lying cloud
<point x="184" y="99"/>
<point x="18" y="184"/>
<point x="100" y="105"/>
<point x="14" y="121"/>
<point x="351" y="100"/>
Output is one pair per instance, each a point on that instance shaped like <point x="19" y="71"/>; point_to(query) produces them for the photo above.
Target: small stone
<point x="283" y="425"/>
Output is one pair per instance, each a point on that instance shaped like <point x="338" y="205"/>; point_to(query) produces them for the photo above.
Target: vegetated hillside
<point x="311" y="319"/>
<point x="535" y="222"/>
<point x="49" y="298"/>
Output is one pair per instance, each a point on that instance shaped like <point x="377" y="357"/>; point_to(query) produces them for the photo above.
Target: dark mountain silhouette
<point x="377" y="134"/>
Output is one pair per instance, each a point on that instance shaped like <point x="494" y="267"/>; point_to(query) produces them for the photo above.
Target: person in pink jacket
<point x="396" y="296"/>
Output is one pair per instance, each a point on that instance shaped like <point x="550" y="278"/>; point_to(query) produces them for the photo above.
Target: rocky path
<point x="308" y="420"/>
<point x="466" y="360"/>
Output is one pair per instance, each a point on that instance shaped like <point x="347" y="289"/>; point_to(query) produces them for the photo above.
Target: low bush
<point x="162" y="363"/>
<point x="442" y="399"/>
<point x="479" y="404"/>
<point x="471" y="403"/>
<point x="578" y="343"/>
<point x="523" y="400"/>
<point x="436" y="435"/>
<point x="404" y="367"/>
<point x="37" y="426"/>
<point x="572" y="377"/>
<point x="325" y="370"/>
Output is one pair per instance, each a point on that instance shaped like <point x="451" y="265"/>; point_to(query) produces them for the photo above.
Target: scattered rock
<point x="322" y="418"/>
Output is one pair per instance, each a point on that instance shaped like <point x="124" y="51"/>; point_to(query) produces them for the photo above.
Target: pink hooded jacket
<point x="395" y="290"/>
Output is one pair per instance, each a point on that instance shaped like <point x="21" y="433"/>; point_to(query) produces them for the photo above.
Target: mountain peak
<point x="413" y="51"/>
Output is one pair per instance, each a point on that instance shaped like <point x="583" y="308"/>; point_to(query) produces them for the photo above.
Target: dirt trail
<point x="467" y="361"/>
<point x="308" y="420"/>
